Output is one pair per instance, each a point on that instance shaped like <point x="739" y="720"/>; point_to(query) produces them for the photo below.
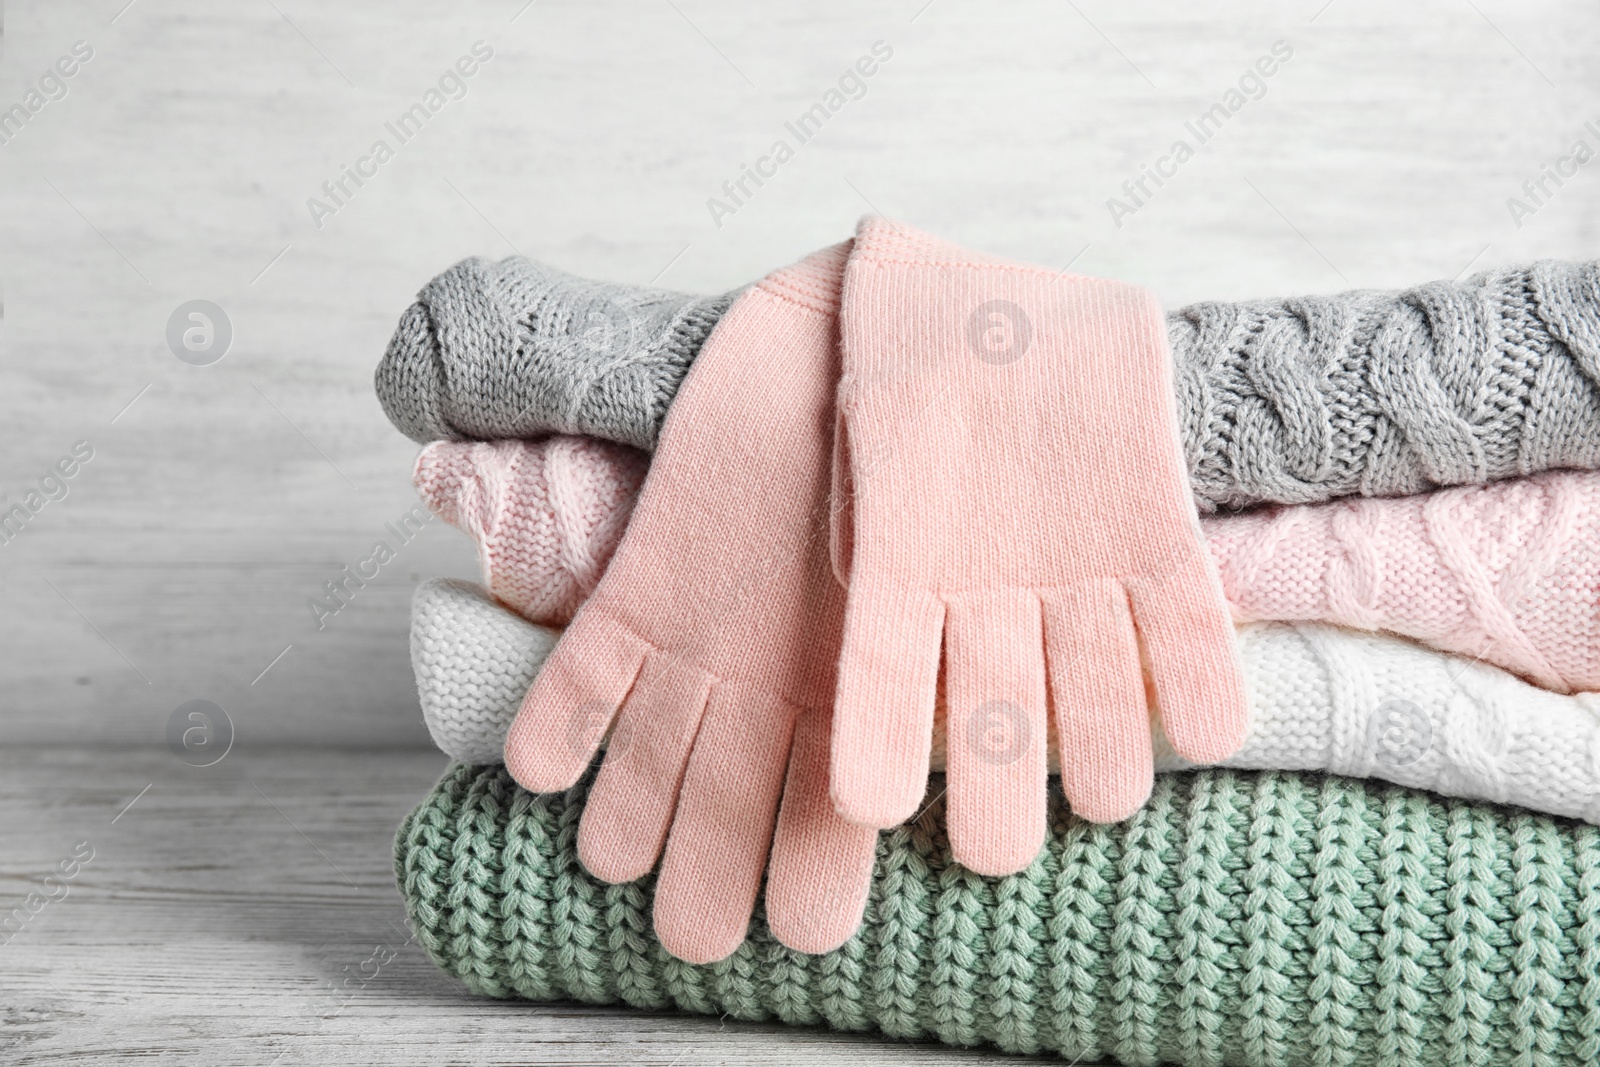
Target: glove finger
<point x="717" y="849"/>
<point x="995" y="748"/>
<point x="1097" y="686"/>
<point x="571" y="704"/>
<point x="821" y="865"/>
<point x="626" y="816"/>
<point x="1194" y="660"/>
<point x="883" y="717"/>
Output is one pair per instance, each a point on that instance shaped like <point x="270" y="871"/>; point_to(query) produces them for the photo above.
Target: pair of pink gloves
<point x="892" y="454"/>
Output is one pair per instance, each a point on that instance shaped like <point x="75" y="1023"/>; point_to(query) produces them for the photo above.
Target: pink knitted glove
<point x="1020" y="499"/>
<point x="715" y="631"/>
<point x="545" y="517"/>
<point x="1508" y="572"/>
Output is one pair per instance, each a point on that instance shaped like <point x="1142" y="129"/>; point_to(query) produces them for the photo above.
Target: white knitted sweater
<point x="1321" y="699"/>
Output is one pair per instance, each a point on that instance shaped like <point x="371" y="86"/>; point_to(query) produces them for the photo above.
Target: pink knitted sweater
<point x="1508" y="572"/>
<point x="546" y="515"/>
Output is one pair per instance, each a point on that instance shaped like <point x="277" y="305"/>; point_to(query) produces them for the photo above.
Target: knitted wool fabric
<point x="516" y="348"/>
<point x="1321" y="699"/>
<point x="1008" y="472"/>
<point x="1384" y="394"/>
<point x="1237" y="920"/>
<point x="722" y="690"/>
<point x="1280" y="401"/>
<point x="468" y="709"/>
<point x="1508" y="572"/>
<point x="543" y="560"/>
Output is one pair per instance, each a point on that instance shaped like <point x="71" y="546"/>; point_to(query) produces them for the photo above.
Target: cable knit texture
<point x="542" y="560"/>
<point x="1321" y="699"/>
<point x="516" y="348"/>
<point x="1508" y="572"/>
<point x="1383" y="394"/>
<point x="1280" y="401"/>
<point x="1237" y="920"/>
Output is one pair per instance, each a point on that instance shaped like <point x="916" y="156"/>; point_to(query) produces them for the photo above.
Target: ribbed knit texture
<point x="1238" y="920"/>
<point x="516" y="348"/>
<point x="1321" y="699"/>
<point x="1280" y="401"/>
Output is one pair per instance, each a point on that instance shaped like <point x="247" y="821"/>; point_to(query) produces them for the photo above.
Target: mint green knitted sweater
<point x="1239" y="918"/>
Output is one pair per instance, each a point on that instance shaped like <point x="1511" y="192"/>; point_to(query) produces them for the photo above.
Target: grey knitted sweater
<point x="517" y="349"/>
<point x="1281" y="401"/>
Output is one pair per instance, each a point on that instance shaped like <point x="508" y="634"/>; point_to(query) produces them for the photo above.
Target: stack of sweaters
<point x="1398" y="866"/>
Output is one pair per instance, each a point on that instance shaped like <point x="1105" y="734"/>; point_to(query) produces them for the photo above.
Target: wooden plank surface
<point x="180" y="161"/>
<point x="216" y="911"/>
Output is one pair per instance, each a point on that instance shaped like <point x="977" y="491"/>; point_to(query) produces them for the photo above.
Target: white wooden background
<point x="179" y="164"/>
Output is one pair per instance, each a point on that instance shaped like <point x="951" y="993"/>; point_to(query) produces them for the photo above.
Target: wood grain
<point x="218" y="912"/>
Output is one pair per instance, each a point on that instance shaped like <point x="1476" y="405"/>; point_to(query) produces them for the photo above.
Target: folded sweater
<point x="517" y="348"/>
<point x="1238" y="920"/>
<point x="1507" y="572"/>
<point x="1321" y="699"/>
<point x="1280" y="401"/>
